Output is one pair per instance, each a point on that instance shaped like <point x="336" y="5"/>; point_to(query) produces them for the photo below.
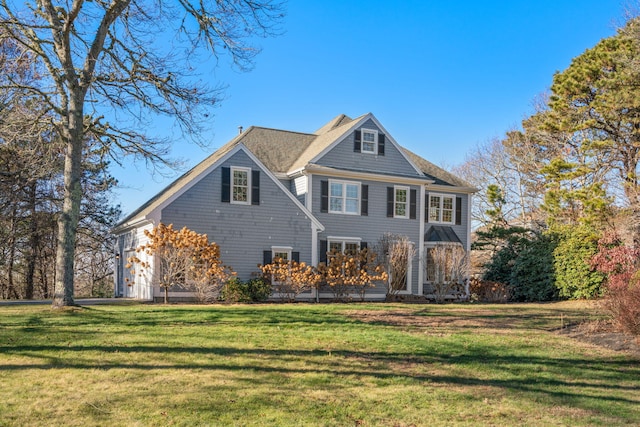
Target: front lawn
<point x="299" y="364"/>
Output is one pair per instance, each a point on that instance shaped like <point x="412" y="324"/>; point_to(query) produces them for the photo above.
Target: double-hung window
<point x="401" y="202"/>
<point x="369" y="141"/>
<point x="346" y="246"/>
<point x="240" y="185"/>
<point x="441" y="208"/>
<point x="344" y="197"/>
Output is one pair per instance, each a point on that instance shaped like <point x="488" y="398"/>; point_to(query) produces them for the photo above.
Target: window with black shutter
<point x="357" y="141"/>
<point x="324" y="196"/>
<point x="381" y="141"/>
<point x="442" y="208"/>
<point x="369" y="143"/>
<point x="390" y="201"/>
<point x="266" y="257"/>
<point x="255" y="187"/>
<point x="412" y="204"/>
<point x="226" y="184"/>
<point x="364" y="200"/>
<point x="323" y="251"/>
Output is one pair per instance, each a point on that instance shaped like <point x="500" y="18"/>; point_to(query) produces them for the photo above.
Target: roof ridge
<point x="320" y="138"/>
<point x="283" y="130"/>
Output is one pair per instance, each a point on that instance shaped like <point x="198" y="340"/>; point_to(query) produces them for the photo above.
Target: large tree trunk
<point x="69" y="217"/>
<point x="11" y="291"/>
<point x="32" y="256"/>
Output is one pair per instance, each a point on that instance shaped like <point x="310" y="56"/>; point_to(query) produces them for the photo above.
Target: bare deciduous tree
<point x="181" y="258"/>
<point x="448" y="270"/>
<point x="395" y="253"/>
<point x="132" y="60"/>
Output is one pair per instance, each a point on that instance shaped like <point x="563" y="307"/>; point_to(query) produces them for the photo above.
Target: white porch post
<point x="423" y="196"/>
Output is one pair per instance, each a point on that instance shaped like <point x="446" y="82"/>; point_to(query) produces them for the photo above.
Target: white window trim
<point x="406" y="202"/>
<point x="375" y="141"/>
<point x="281" y="249"/>
<point x="248" y="171"/>
<point x="343" y="241"/>
<point x="453" y="208"/>
<point x="344" y="196"/>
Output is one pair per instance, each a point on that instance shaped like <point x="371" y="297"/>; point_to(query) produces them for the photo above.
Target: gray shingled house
<point x="271" y="192"/>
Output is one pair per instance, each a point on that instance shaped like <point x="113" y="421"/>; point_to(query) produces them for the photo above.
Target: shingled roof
<point x="276" y="149"/>
<point x="282" y="152"/>
<point x="439" y="175"/>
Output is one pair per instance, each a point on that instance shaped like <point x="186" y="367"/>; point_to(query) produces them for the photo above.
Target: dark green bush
<point x="235" y="291"/>
<point x="499" y="268"/>
<point x="258" y="289"/>
<point x="253" y="290"/>
<point x="532" y="277"/>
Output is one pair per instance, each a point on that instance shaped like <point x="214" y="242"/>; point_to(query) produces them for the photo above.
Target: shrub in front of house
<point x="235" y="291"/>
<point x="253" y="290"/>
<point x="258" y="289"/>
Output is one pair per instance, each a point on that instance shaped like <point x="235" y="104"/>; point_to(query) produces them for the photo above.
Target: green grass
<point x="298" y="364"/>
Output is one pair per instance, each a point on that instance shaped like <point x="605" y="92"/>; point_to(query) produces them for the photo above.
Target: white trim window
<point x="400" y="202"/>
<point x="344" y="197"/>
<point x="344" y="245"/>
<point x="240" y="185"/>
<point x="369" y="141"/>
<point x="282" y="252"/>
<point x="442" y="208"/>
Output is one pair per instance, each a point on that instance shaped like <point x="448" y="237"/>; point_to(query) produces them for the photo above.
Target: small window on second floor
<point x="369" y="141"/>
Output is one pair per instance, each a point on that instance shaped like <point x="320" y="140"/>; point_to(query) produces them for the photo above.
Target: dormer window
<point x="369" y="141"/>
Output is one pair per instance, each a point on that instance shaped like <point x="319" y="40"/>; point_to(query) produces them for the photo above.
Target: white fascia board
<point x="393" y="141"/>
<point x="340" y="138"/>
<point x="134" y="223"/>
<point x="370" y="176"/>
<point x="156" y="212"/>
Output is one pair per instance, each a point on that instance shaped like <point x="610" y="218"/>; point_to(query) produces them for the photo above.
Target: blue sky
<point x="440" y="76"/>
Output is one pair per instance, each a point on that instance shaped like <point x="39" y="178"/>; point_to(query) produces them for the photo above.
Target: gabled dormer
<point x="358" y="145"/>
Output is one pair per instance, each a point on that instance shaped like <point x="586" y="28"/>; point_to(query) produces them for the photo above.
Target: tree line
<point x="561" y="192"/>
<point x="31" y="193"/>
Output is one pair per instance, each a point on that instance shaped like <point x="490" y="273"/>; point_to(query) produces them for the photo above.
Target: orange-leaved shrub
<point x="182" y="258"/>
<point x="290" y="278"/>
<point x="344" y="272"/>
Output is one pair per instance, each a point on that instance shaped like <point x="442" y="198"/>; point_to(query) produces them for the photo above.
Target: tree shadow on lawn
<point x="333" y="361"/>
<point x="475" y="317"/>
<point x="567" y="381"/>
